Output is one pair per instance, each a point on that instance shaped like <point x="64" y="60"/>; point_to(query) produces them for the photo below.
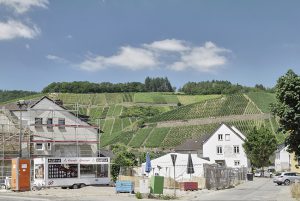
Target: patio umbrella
<point x="190" y="166"/>
<point x="148" y="167"/>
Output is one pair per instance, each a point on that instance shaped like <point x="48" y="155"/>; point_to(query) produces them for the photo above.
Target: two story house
<point x="224" y="147"/>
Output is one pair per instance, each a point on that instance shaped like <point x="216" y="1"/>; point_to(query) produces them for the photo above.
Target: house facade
<point x="224" y="147"/>
<point x="56" y="131"/>
<point x="282" y="159"/>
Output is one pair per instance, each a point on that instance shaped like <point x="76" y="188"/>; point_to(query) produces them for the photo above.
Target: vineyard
<point x="167" y="138"/>
<point x="118" y="121"/>
<point x="262" y="100"/>
<point x="224" y="106"/>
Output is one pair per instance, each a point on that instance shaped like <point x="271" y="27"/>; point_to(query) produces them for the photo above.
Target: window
<point x="227" y="137"/>
<point x="236" y="149"/>
<point x="49" y="146"/>
<point x="49" y="122"/>
<point x="94" y="170"/>
<point x="38" y="121"/>
<point x="220" y="137"/>
<point x="61" y="122"/>
<point x="236" y="163"/>
<point x="219" y="150"/>
<point x="39" y="146"/>
<point x="62" y="171"/>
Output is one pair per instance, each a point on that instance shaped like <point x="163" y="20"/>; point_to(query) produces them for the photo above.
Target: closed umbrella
<point x="148" y="167"/>
<point x="190" y="166"/>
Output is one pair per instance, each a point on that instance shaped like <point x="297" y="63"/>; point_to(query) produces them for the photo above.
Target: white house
<point x="54" y="130"/>
<point x="224" y="147"/>
<point x="282" y="159"/>
<point x="163" y="166"/>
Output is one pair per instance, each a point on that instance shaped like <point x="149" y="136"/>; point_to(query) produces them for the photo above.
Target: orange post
<point x="20" y="174"/>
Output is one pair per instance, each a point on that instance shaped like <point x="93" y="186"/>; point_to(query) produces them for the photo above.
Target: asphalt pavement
<point x="260" y="189"/>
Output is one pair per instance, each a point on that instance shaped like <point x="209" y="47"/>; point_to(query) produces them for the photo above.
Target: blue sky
<point x="245" y="42"/>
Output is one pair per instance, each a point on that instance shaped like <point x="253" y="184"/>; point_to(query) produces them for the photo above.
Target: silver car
<point x="286" y="178"/>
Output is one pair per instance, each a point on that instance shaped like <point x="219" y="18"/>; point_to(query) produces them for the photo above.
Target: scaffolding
<point x="45" y="132"/>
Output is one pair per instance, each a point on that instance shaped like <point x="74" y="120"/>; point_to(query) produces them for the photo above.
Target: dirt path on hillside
<point x="212" y="120"/>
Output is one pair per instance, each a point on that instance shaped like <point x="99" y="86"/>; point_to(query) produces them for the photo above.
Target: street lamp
<point x="20" y="104"/>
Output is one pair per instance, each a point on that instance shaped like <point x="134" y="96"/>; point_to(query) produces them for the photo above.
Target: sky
<point x="245" y="42"/>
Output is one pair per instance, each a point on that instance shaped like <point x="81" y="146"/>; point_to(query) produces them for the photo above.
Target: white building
<point x="54" y="130"/>
<point x="224" y="147"/>
<point x="163" y="166"/>
<point x="282" y="159"/>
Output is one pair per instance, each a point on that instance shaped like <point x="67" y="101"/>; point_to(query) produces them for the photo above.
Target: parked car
<point x="286" y="178"/>
<point x="266" y="173"/>
<point x="258" y="173"/>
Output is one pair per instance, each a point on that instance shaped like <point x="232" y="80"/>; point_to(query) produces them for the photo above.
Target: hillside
<point x="165" y="120"/>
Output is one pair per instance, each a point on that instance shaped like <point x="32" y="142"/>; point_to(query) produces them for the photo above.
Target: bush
<point x="138" y="195"/>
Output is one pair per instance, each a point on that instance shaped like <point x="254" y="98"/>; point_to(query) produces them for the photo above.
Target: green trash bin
<point x="157" y="185"/>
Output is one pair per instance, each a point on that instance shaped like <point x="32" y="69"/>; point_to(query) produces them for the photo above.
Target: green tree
<point x="287" y="108"/>
<point x="123" y="158"/>
<point x="259" y="145"/>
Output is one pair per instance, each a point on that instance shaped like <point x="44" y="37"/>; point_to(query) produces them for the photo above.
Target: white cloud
<point x="56" y="58"/>
<point x="173" y="54"/>
<point x="206" y="58"/>
<point x="69" y="36"/>
<point x="15" y="29"/>
<point x="168" y="45"/>
<point x="22" y="6"/>
<point x="27" y="46"/>
<point x="128" y="58"/>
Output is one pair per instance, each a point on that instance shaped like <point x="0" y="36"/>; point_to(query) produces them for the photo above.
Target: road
<point x="259" y="189"/>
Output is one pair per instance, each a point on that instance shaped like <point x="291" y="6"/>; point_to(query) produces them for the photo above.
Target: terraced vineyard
<point x="224" y="106"/>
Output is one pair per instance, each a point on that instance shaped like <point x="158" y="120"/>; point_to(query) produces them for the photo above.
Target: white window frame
<point x="236" y="149"/>
<point x="227" y="137"/>
<point x="219" y="150"/>
<point x="220" y="137"/>
<point x="36" y="146"/>
<point x="237" y="163"/>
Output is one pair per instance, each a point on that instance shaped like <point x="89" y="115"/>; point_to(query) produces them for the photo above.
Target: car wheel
<point x="279" y="184"/>
<point x="82" y="185"/>
<point x="75" y="186"/>
<point x="287" y="182"/>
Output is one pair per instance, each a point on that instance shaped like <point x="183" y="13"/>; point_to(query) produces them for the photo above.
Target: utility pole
<point x="174" y="157"/>
<point x="20" y="104"/>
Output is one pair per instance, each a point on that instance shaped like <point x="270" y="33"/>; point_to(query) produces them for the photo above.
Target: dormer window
<point x="220" y="137"/>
